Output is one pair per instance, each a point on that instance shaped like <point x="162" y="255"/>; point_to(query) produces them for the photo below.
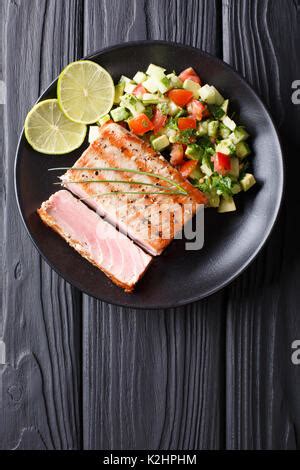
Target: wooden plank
<point x="152" y="379"/>
<point x="261" y="41"/>
<point x="40" y="405"/>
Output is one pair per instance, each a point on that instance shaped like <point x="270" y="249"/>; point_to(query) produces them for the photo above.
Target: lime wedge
<point x="85" y="91"/>
<point x="49" y="131"/>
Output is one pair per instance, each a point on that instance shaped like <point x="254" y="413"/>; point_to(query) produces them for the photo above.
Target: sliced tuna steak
<point x="96" y="240"/>
<point x="152" y="220"/>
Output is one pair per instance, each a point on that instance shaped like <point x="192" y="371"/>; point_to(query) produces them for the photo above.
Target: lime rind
<point x="48" y="131"/>
<point x="85" y="91"/>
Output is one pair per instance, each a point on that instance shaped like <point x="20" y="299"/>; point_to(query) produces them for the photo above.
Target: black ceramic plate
<point x="231" y="240"/>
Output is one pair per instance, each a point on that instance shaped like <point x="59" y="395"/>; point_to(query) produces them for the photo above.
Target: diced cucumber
<point x="238" y="135"/>
<point x="160" y="143"/>
<point x="236" y="188"/>
<point x="129" y="87"/>
<point x="132" y="104"/>
<point x="119" y="114"/>
<point x="155" y="71"/>
<point x="119" y="90"/>
<point x="226" y="146"/>
<point x="103" y="119"/>
<point x="225" y="105"/>
<point x="192" y="86"/>
<point x="207" y="94"/>
<point x="194" y="151"/>
<point x="228" y="122"/>
<point x="140" y="77"/>
<point x="219" y="100"/>
<point x="224" y="131"/>
<point x="206" y="169"/>
<point x="93" y="133"/>
<point x="242" y="150"/>
<point x="196" y="174"/>
<point x="212" y="128"/>
<point x="173" y="108"/>
<point x="202" y="128"/>
<point x="150" y="98"/>
<point x="171" y="134"/>
<point x="163" y="84"/>
<point x="125" y="80"/>
<point x="226" y="204"/>
<point x="235" y="167"/>
<point x="151" y="85"/>
<point x="175" y="81"/>
<point x="247" y="181"/>
<point x="213" y="199"/>
<point x="210" y="95"/>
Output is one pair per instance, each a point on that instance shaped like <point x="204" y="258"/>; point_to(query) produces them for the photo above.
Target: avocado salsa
<point x="190" y="122"/>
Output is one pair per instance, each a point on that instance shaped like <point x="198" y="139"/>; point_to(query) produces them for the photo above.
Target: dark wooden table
<point x="77" y="373"/>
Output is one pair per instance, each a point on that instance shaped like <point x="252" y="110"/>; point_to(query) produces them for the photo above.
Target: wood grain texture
<point x="153" y="379"/>
<point x="260" y="39"/>
<point x="40" y="405"/>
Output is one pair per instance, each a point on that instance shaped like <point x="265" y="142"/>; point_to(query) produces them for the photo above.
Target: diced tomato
<point x="177" y="154"/>
<point x="191" y="74"/>
<point x="188" y="167"/>
<point x="139" y="90"/>
<point x="197" y="109"/>
<point x="140" y="124"/>
<point x="159" y="120"/>
<point x="180" y="97"/>
<point x="222" y="163"/>
<point x="186" y="123"/>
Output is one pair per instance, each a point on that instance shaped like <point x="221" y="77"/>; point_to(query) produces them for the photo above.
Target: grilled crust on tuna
<point x="152" y="220"/>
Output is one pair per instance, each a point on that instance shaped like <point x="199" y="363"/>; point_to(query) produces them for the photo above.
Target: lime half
<point x="85" y="91"/>
<point x="49" y="131"/>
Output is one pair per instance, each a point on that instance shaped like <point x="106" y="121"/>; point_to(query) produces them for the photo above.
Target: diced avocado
<point x="206" y="169"/>
<point x="151" y="85"/>
<point x="192" y="86"/>
<point x="119" y="114"/>
<point x="129" y="87"/>
<point x="93" y="133"/>
<point x="203" y="128"/>
<point x="247" y="181"/>
<point x="119" y="90"/>
<point x="194" y="152"/>
<point x="226" y="204"/>
<point x="125" y="80"/>
<point x="196" y="174"/>
<point x="160" y="143"/>
<point x="238" y="135"/>
<point x="236" y="188"/>
<point x="150" y="98"/>
<point x="212" y="129"/>
<point x="235" y="167"/>
<point x="140" y="77"/>
<point x="228" y="122"/>
<point x="155" y="71"/>
<point x="242" y="150"/>
<point x="224" y="131"/>
<point x="175" y="81"/>
<point x="225" y="146"/>
<point x="132" y="104"/>
<point x="103" y="119"/>
<point x="225" y="105"/>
